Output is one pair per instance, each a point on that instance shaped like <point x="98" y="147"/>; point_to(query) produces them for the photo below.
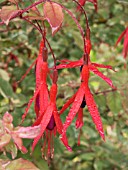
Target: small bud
<point x="45" y="54"/>
<point x="55" y="76"/>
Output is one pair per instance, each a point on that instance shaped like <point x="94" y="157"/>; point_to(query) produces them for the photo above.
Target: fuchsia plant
<point x="48" y="117"/>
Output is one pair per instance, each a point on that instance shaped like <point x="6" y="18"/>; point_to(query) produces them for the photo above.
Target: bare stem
<point x="52" y="53"/>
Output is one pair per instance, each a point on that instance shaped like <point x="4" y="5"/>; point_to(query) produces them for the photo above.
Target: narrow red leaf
<point x="102" y="66"/>
<point x="97" y="72"/>
<point x="125" y="49"/>
<point x="93" y="111"/>
<point x="43" y="98"/>
<point x="74" y="109"/>
<point x="82" y="2"/>
<point x="120" y="37"/>
<point x="58" y="121"/>
<point x="28" y="70"/>
<point x="36" y="105"/>
<point x="39" y="64"/>
<point x="79" y="121"/>
<point x="53" y="93"/>
<point x="45" y="120"/>
<point x="29" y="103"/>
<point x="72" y="64"/>
<point x="67" y="104"/>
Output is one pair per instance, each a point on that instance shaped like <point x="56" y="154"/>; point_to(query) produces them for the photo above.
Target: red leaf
<point x="58" y="121"/>
<point x="43" y="98"/>
<point x="36" y="106"/>
<point x="28" y="70"/>
<point x="8" y="12"/>
<point x="79" y="121"/>
<point x="67" y="104"/>
<point x="102" y="66"/>
<point x="39" y="64"/>
<point x="82" y="2"/>
<point x="53" y="93"/>
<point x="71" y="64"/>
<point x="54" y="15"/>
<point x="93" y="110"/>
<point x="29" y="103"/>
<point x="125" y="49"/>
<point x="74" y="109"/>
<point x="45" y="120"/>
<point x="97" y="72"/>
<point x="120" y="37"/>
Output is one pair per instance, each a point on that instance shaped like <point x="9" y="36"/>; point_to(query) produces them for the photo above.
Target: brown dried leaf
<point x="8" y="12"/>
<point x="54" y="15"/>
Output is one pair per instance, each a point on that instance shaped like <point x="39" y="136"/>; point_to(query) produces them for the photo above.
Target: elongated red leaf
<point x="79" y="121"/>
<point x="97" y="72"/>
<point x="102" y="66"/>
<point x="93" y="111"/>
<point x="53" y="93"/>
<point x="125" y="49"/>
<point x="54" y="15"/>
<point x="72" y="64"/>
<point x="45" y="120"/>
<point x="67" y="104"/>
<point x="30" y="102"/>
<point x="37" y="105"/>
<point x="58" y="121"/>
<point x="43" y="98"/>
<point x="74" y="109"/>
<point x="28" y="70"/>
<point x="120" y="37"/>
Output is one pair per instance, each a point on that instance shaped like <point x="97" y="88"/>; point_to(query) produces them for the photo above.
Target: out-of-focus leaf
<point x="19" y="164"/>
<point x="4" y="163"/>
<point x="14" y="1"/>
<point x="28" y="132"/>
<point x="5" y="88"/>
<point x="98" y="165"/>
<point x="12" y="149"/>
<point x="114" y="102"/>
<point x="53" y="13"/>
<point x="4" y="140"/>
<point x="7" y="13"/>
<point x="4" y="75"/>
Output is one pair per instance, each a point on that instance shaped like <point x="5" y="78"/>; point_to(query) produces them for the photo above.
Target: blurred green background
<point x="22" y="40"/>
